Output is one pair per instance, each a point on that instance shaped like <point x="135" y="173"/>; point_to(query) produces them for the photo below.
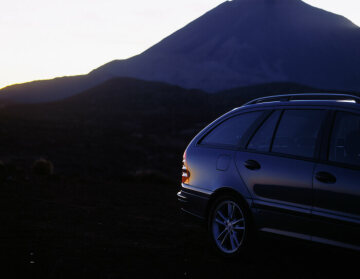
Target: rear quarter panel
<point x="212" y="169"/>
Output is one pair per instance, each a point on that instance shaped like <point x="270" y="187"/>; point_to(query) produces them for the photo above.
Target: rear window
<point x="231" y="131"/>
<point x="298" y="132"/>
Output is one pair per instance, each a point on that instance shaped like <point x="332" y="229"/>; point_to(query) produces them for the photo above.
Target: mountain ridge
<point x="239" y="43"/>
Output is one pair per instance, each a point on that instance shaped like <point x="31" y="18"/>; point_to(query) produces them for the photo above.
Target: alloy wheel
<point x="228" y="226"/>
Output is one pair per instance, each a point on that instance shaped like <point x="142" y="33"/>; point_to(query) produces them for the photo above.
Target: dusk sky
<point x="43" y="39"/>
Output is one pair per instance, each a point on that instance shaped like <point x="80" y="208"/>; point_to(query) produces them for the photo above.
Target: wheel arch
<point x="227" y="191"/>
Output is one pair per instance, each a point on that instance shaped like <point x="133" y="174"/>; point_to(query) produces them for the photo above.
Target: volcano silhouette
<point x="239" y="43"/>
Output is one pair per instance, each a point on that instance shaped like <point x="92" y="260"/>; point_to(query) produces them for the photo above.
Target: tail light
<point x="185" y="171"/>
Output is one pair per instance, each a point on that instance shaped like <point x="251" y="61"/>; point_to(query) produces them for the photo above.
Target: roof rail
<point x="303" y="97"/>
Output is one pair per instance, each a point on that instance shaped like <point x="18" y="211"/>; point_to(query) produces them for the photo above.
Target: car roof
<point x="308" y="99"/>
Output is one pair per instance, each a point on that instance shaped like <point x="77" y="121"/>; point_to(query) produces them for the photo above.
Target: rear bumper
<point x="194" y="200"/>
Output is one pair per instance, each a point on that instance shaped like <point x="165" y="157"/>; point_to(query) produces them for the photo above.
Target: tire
<point x="229" y="226"/>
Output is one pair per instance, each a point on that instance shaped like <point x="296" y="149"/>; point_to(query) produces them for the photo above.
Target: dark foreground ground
<point x="56" y="228"/>
<point x="124" y="223"/>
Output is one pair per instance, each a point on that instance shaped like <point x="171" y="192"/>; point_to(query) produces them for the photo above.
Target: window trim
<point x="325" y="151"/>
<point x="264" y="113"/>
<point x="275" y="132"/>
<point x="323" y="130"/>
<point x="318" y="156"/>
<point x="282" y="155"/>
<point x="246" y="146"/>
<point x="254" y="128"/>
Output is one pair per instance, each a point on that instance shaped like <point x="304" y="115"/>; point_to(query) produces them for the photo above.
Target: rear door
<point x="277" y="166"/>
<point x="337" y="184"/>
<point x="209" y="159"/>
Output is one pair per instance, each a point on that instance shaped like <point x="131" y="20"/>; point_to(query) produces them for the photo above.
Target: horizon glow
<point x="43" y="39"/>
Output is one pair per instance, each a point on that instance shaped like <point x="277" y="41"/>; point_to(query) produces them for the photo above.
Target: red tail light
<point x="185" y="171"/>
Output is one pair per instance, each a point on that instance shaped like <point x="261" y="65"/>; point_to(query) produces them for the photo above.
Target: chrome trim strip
<point x="334" y="215"/>
<point x="274" y="205"/>
<point x="181" y="196"/>
<point x="335" y="243"/>
<point x="203" y="191"/>
<point x="287" y="233"/>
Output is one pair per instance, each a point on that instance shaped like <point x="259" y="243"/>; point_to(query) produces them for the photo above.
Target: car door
<point x="209" y="159"/>
<point x="277" y="166"/>
<point x="337" y="185"/>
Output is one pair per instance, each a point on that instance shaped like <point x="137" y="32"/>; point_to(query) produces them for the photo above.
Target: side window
<point x="298" y="132"/>
<point x="261" y="141"/>
<point x="230" y="131"/>
<point x="345" y="139"/>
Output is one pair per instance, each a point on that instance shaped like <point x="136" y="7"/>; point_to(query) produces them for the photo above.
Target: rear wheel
<point x="229" y="226"/>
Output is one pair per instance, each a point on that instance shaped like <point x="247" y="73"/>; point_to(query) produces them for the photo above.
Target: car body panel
<point x="281" y="190"/>
<point x="283" y="195"/>
<point x="209" y="170"/>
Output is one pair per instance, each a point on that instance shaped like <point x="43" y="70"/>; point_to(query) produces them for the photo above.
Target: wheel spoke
<point x="221" y="215"/>
<point x="236" y="240"/>
<point x="220" y="222"/>
<point x="239" y="228"/>
<point x="231" y="208"/>
<point x="232" y="242"/>
<point x="237" y="221"/>
<point x="221" y="234"/>
<point x="226" y="235"/>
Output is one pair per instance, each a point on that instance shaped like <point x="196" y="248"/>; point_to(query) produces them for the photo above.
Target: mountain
<point x="239" y="43"/>
<point x="248" y="42"/>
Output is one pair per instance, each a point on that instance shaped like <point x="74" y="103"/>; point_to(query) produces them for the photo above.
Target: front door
<point x="337" y="185"/>
<point x="278" y="168"/>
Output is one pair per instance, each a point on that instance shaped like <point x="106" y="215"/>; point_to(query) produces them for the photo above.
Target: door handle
<point x="325" y="177"/>
<point x="252" y="165"/>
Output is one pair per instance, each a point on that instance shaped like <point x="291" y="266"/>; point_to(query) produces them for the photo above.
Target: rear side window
<point x="345" y="139"/>
<point x="261" y="141"/>
<point x="231" y="131"/>
<point x="298" y="132"/>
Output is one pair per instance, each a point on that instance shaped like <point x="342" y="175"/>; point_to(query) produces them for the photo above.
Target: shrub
<point x="43" y="167"/>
